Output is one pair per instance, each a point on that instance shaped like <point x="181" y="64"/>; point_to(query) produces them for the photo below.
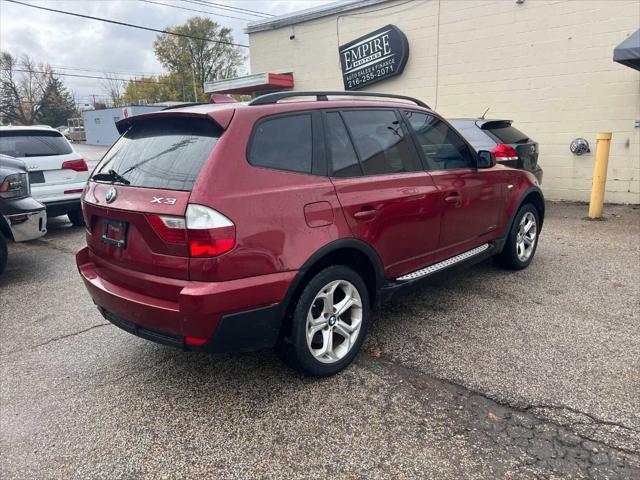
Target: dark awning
<point x="628" y="52"/>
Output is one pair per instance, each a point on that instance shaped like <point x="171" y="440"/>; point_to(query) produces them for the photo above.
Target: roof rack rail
<point x="271" y="98"/>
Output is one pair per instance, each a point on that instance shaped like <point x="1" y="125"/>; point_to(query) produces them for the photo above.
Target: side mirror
<point x="486" y="159"/>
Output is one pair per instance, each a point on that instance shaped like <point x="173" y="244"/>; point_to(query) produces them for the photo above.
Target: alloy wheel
<point x="526" y="237"/>
<point x="334" y="321"/>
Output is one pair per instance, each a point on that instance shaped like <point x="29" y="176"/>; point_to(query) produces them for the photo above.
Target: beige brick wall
<point x="545" y="64"/>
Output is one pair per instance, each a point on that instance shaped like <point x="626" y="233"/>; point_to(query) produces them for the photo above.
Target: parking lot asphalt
<point x="478" y="374"/>
<point x="91" y="153"/>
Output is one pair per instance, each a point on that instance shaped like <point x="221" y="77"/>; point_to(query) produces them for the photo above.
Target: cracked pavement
<point x="477" y="374"/>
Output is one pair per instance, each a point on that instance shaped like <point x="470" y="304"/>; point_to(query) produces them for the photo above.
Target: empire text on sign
<point x="374" y="57"/>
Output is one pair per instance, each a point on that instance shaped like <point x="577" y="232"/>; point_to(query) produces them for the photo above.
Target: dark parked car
<point x="283" y="223"/>
<point x="21" y="217"/>
<point x="510" y="146"/>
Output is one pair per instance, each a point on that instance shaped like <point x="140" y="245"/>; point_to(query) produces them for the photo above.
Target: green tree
<point x="154" y="89"/>
<point x="197" y="61"/>
<point x="57" y="104"/>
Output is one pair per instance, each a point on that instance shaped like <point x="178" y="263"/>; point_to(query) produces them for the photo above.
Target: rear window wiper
<point x="111" y="176"/>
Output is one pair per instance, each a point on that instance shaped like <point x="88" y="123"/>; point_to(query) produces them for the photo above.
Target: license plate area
<point x="36" y="177"/>
<point x="114" y="232"/>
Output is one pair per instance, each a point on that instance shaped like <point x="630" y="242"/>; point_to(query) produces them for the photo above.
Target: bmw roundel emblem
<point x="111" y="195"/>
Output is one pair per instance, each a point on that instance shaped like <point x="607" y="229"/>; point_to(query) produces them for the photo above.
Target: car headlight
<point x="15" y="186"/>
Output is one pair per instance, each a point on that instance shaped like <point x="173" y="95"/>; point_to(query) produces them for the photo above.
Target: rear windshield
<point x="165" y="153"/>
<point x="507" y="134"/>
<point x="33" y="143"/>
<point x="478" y="138"/>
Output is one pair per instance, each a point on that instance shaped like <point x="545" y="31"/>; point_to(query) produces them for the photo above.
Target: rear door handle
<point x="453" y="197"/>
<point x="366" y="213"/>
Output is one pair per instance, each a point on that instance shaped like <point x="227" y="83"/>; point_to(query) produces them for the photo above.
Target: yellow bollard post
<point x="603" y="143"/>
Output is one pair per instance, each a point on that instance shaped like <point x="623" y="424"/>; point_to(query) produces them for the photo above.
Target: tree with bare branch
<point x="113" y="86"/>
<point x="23" y="88"/>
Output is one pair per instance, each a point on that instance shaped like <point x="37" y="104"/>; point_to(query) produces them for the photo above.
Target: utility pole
<point x="195" y="93"/>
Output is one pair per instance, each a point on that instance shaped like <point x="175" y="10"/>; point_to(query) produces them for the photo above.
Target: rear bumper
<point x="53" y="194"/>
<point x="238" y="332"/>
<point x="538" y="172"/>
<point x="61" y="207"/>
<point x="237" y="315"/>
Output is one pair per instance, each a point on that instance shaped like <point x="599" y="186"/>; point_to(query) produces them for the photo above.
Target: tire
<point x="307" y="347"/>
<point x="76" y="218"/>
<point x="4" y="253"/>
<point x="518" y="252"/>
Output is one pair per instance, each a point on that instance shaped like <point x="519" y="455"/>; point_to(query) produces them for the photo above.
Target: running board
<point x="436" y="267"/>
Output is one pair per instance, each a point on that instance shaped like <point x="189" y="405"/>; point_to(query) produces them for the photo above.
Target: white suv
<point x="57" y="173"/>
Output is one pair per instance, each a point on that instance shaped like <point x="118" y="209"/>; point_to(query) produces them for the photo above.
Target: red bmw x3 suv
<point x="283" y="222"/>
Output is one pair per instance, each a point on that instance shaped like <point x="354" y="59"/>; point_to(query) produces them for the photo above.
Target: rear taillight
<point x="505" y="152"/>
<point x="209" y="232"/>
<point x="76" y="165"/>
<point x="206" y="232"/>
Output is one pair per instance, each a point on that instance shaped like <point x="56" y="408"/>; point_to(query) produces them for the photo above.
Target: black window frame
<point x="418" y="148"/>
<point x="318" y="161"/>
<point x="413" y="151"/>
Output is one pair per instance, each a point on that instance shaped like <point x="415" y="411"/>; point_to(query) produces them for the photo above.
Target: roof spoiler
<point x="221" y="117"/>
<point x="487" y="124"/>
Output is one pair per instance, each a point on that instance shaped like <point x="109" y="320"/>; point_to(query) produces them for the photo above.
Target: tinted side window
<point x="343" y="158"/>
<point x="30" y="143"/>
<point x="283" y="143"/>
<point x="442" y="146"/>
<point x="380" y="142"/>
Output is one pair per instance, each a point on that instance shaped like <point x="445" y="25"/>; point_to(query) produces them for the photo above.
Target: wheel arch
<point x="351" y="252"/>
<point x="535" y="197"/>
<point x="5" y="230"/>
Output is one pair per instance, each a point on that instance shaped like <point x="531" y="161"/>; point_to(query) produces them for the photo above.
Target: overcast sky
<point x="87" y="47"/>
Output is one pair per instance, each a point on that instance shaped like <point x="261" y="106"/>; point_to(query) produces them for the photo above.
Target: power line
<point x="79" y="69"/>
<point x="124" y="24"/>
<point x="195" y="10"/>
<point x="230" y="7"/>
<point x="77" y="75"/>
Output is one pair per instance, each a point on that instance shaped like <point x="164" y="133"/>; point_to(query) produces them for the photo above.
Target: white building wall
<point x="545" y="64"/>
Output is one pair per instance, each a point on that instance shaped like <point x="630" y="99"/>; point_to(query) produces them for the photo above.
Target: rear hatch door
<point x="526" y="148"/>
<point x="43" y="152"/>
<point x="149" y="171"/>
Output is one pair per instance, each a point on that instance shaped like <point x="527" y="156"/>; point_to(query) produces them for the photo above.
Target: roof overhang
<point x="628" y="52"/>
<point x="259" y="82"/>
<point x="308" y="14"/>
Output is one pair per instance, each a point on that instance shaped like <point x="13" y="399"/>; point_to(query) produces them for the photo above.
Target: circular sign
<point x="579" y="146"/>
